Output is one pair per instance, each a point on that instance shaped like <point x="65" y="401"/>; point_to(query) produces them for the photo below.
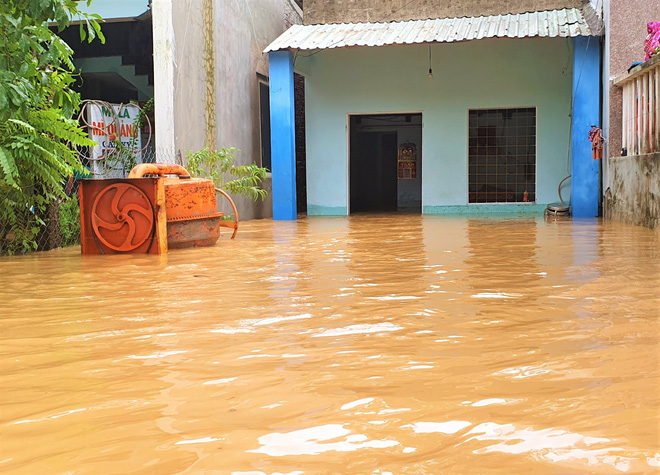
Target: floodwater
<point x="363" y="345"/>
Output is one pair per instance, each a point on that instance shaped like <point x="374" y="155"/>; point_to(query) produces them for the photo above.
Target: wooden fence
<point x="641" y="108"/>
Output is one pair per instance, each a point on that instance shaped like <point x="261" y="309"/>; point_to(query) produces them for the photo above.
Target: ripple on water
<point x="203" y="440"/>
<point x="551" y="444"/>
<point x="357" y="329"/>
<point x="449" y="427"/>
<point x="315" y="440"/>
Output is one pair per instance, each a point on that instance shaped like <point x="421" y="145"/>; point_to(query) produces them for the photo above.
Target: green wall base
<point x="315" y="210"/>
<point x="512" y="209"/>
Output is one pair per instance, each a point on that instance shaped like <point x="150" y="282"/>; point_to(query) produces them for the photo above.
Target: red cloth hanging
<point x="652" y="41"/>
<point x="596" y="139"/>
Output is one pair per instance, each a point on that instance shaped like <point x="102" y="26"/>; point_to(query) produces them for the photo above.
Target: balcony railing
<point x="641" y="108"/>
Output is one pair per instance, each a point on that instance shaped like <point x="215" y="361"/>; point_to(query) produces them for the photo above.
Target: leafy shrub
<point x="219" y="163"/>
<point x="36" y="105"/>
<point x="70" y="221"/>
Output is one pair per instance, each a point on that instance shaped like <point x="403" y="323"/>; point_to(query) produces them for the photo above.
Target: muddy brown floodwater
<point x="362" y="345"/>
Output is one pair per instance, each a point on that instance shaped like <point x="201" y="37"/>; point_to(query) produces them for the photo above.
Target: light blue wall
<point x="494" y="73"/>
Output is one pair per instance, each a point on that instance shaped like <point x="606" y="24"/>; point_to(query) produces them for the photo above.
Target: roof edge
<point x="594" y="19"/>
<point x="568" y="22"/>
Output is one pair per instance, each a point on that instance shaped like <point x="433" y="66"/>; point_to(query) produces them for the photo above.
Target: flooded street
<point x="362" y="345"/>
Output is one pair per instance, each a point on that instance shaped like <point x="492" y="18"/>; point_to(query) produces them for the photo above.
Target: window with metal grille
<point x="502" y="155"/>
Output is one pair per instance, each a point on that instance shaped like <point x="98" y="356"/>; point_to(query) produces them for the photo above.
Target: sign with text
<point x="112" y="130"/>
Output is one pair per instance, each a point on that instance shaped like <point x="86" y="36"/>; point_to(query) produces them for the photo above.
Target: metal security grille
<point x="502" y="155"/>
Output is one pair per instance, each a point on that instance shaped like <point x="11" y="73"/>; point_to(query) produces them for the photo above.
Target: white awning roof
<point x="555" y="23"/>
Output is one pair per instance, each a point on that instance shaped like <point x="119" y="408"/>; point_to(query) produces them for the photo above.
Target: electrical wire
<point x="430" y="63"/>
<point x="570" y="113"/>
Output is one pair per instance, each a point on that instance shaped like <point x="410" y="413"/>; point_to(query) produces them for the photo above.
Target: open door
<point x="377" y="184"/>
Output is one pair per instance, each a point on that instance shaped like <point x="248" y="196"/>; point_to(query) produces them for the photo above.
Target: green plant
<point x="217" y="164"/>
<point x="19" y="227"/>
<point x="36" y="105"/>
<point x="145" y="111"/>
<point x="210" y="71"/>
<point x="70" y="221"/>
<point x="125" y="154"/>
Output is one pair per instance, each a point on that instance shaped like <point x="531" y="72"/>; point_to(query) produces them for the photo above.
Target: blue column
<point x="585" y="180"/>
<point x="282" y="135"/>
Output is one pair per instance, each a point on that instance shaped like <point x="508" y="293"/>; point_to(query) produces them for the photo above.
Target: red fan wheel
<point x="122" y="217"/>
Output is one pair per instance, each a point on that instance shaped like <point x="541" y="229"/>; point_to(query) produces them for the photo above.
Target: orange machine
<point x="151" y="211"/>
<point x="192" y="209"/>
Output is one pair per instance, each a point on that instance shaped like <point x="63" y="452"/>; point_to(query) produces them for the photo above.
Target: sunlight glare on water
<point x="369" y="344"/>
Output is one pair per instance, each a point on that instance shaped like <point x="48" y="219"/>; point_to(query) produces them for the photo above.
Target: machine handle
<point x="159" y="169"/>
<point x="230" y="224"/>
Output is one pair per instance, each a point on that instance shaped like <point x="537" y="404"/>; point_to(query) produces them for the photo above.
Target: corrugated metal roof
<point x="562" y="23"/>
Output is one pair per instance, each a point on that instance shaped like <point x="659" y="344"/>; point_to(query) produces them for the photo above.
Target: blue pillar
<point x="585" y="180"/>
<point x="282" y="135"/>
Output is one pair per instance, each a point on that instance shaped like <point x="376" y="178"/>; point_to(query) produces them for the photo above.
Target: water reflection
<point x="369" y="344"/>
<point x="502" y="257"/>
<point x="316" y="440"/>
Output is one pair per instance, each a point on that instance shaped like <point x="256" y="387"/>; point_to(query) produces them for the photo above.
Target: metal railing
<point x="641" y="108"/>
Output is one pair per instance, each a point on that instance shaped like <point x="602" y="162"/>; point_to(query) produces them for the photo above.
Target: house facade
<point x="211" y="79"/>
<point x="439" y="107"/>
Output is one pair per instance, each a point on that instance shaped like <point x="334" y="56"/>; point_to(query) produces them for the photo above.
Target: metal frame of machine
<point x="150" y="212"/>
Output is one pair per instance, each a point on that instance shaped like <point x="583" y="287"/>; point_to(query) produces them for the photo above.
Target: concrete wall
<point x="634" y="193"/>
<point x="351" y="11"/>
<point x="497" y="73"/>
<point x="630" y="184"/>
<point x="242" y="31"/>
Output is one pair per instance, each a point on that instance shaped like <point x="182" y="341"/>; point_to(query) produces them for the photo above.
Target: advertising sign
<point x="107" y="128"/>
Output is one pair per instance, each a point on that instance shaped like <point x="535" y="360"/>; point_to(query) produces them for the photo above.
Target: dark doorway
<point x="374" y="146"/>
<point x="373" y="171"/>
